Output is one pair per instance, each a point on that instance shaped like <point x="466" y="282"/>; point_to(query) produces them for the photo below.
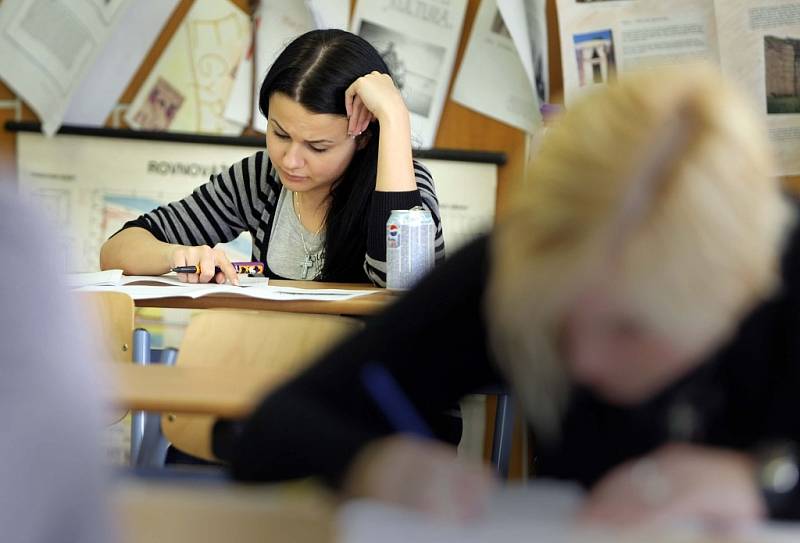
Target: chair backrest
<point x="110" y="316"/>
<point x="284" y="342"/>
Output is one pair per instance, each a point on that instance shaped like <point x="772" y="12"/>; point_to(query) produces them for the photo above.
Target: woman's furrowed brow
<point x="323" y="140"/>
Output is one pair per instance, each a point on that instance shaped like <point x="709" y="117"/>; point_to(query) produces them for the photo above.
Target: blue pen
<point x="396" y="407"/>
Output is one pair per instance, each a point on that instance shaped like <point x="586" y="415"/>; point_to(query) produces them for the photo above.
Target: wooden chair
<point x="283" y="342"/>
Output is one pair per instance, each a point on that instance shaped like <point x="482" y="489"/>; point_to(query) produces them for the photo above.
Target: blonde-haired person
<point x="641" y="299"/>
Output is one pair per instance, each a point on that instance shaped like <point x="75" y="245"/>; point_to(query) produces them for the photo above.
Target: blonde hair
<point x="667" y="177"/>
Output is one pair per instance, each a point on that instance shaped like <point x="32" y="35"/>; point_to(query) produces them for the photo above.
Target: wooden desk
<point x="199" y="512"/>
<point x="365" y="305"/>
<point x="224" y="392"/>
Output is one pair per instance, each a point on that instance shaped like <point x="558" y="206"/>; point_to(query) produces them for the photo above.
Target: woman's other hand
<point x="680" y="484"/>
<point x="422" y="475"/>
<point x="373" y="97"/>
<point x="208" y="259"/>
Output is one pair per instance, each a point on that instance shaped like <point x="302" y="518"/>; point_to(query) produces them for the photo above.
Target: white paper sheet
<point x="194" y="291"/>
<point x="418" y="41"/>
<point x="118" y="61"/>
<point x="240" y="101"/>
<point x="278" y="22"/>
<point x="115" y="278"/>
<point x="107" y="277"/>
<point x="49" y="45"/>
<point x="188" y="88"/>
<point x="526" y="21"/>
<point x="543" y="511"/>
<point x="540" y="512"/>
<point x="172" y="279"/>
<point x="491" y="79"/>
<point x="330" y="13"/>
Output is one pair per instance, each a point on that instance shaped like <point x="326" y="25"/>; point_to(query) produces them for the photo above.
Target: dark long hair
<point x="315" y="70"/>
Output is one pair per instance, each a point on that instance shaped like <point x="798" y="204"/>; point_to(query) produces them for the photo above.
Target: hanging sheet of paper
<point x="526" y="21"/>
<point x="330" y="13"/>
<point x="418" y="41"/>
<point x="48" y="46"/>
<point x="118" y="61"/>
<point x="278" y="22"/>
<point x="238" y="109"/>
<point x="188" y="88"/>
<point x="490" y="58"/>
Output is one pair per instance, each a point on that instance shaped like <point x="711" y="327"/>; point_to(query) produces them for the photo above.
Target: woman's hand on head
<point x="422" y="475"/>
<point x="679" y="483"/>
<point x="208" y="259"/>
<point x="373" y="97"/>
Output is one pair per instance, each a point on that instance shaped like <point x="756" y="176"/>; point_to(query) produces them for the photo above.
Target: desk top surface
<point x="361" y="306"/>
<point x="224" y="391"/>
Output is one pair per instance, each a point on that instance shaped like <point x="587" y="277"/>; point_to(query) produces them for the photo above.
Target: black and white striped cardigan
<point x="244" y="197"/>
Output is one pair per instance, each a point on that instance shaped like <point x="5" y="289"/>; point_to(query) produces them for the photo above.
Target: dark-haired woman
<point x="338" y="160"/>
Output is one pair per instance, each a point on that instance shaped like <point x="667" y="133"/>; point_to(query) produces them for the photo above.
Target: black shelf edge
<point x="459" y="155"/>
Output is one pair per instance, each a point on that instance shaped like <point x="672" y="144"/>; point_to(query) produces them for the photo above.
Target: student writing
<point x="642" y="300"/>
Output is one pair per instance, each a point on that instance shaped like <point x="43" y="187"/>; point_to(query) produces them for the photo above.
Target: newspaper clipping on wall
<point x="760" y="48"/>
<point x="756" y="44"/>
<point x="418" y="40"/>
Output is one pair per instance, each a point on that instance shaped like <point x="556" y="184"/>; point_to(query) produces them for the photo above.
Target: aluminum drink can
<point x="410" y="250"/>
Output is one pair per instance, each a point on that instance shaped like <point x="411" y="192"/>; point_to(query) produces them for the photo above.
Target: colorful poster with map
<point x="115" y="181"/>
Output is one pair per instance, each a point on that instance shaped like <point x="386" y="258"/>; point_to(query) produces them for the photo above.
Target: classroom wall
<point x="460" y="128"/>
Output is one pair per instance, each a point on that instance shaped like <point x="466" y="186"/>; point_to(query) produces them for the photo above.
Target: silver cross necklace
<point x="311" y="258"/>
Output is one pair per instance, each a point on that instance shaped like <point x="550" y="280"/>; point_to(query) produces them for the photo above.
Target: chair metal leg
<point x="148" y="445"/>
<point x="153" y="450"/>
<point x="503" y="434"/>
<point x="141" y="355"/>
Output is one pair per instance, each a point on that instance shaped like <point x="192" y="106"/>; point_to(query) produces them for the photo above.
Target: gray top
<point x="294" y="252"/>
